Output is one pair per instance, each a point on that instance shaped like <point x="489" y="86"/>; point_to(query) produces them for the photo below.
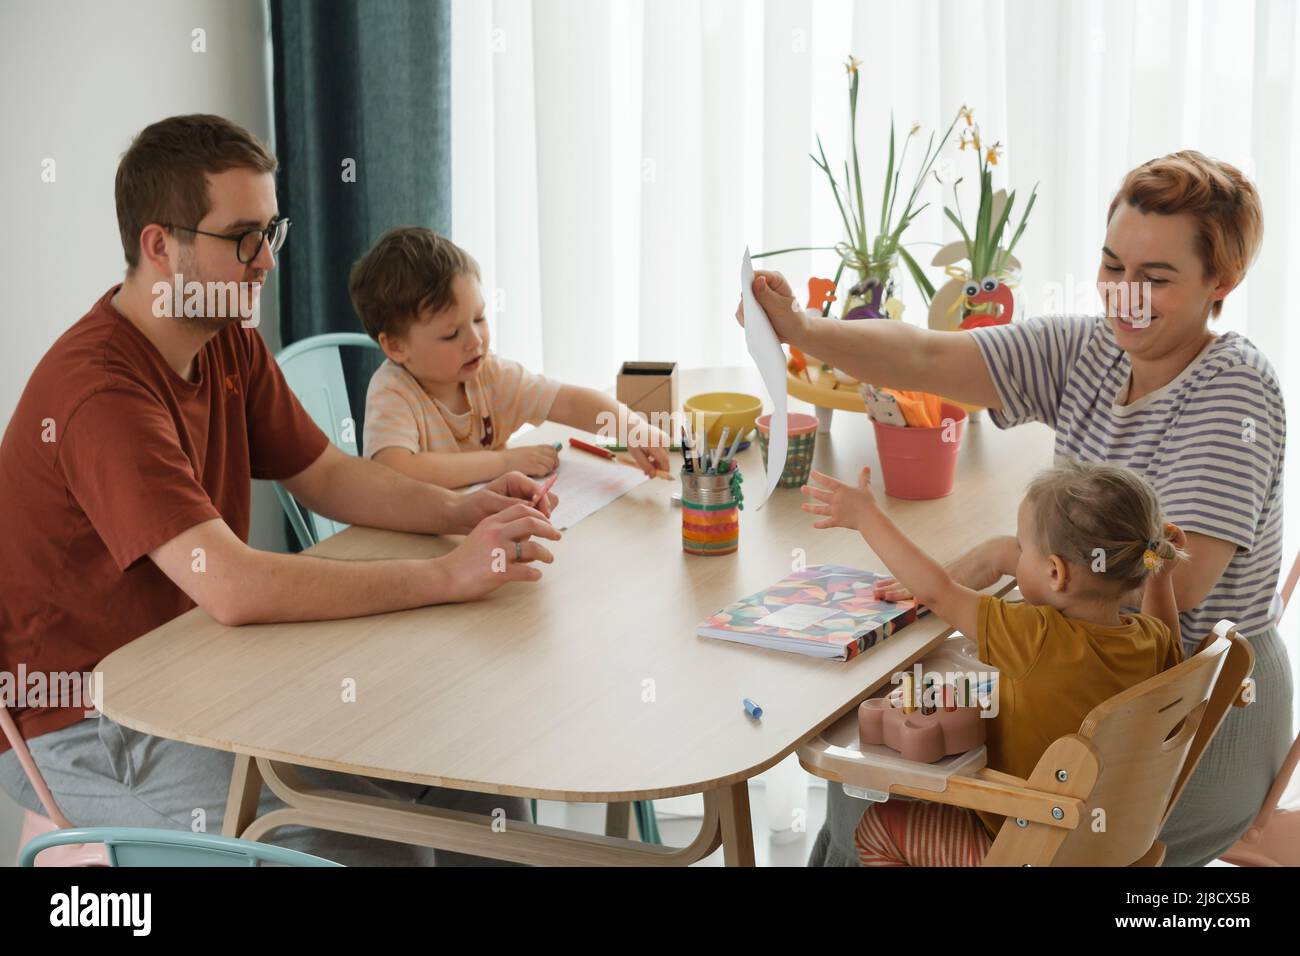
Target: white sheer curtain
<point x="612" y="158"/>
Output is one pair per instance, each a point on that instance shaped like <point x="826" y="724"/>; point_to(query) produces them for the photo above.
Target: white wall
<point x="77" y="80"/>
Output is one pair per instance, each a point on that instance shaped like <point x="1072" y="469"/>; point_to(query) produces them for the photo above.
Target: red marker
<point x="621" y="459"/>
<point x="595" y="450"/>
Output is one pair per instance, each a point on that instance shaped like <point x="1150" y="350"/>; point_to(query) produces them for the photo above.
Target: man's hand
<point x="499" y="495"/>
<point x="499" y="550"/>
<point x="776" y="298"/>
<point x="842" y="505"/>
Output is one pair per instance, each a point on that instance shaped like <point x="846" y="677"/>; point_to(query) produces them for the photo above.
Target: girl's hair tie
<point x="1151" y="556"/>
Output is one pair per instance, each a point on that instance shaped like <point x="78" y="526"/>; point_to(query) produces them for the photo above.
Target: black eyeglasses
<point x="248" y="245"/>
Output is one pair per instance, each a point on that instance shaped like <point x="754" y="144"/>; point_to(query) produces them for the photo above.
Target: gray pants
<point x="1217" y="805"/>
<point x="104" y="774"/>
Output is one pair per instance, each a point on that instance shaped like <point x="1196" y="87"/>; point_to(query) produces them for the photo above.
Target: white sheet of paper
<point x="767" y="354"/>
<point x="586" y="484"/>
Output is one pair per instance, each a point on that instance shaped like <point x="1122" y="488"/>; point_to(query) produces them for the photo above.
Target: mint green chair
<point x="314" y="372"/>
<point x="647" y="824"/>
<point x="148" y="846"/>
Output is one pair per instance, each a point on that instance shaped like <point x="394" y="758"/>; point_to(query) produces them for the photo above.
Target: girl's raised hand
<point x="840" y="504"/>
<point x="1176" y="537"/>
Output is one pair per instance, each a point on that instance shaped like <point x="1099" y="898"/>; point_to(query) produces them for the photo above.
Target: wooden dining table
<point x="590" y="685"/>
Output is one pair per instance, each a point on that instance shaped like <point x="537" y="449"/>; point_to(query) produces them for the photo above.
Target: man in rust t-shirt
<point x="132" y="449"/>
<point x="110" y="454"/>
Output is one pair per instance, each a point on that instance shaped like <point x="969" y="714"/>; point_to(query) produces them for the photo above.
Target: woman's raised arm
<point x="885" y="353"/>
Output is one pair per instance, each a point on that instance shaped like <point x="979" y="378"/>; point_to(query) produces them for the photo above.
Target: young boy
<point x="443" y="406"/>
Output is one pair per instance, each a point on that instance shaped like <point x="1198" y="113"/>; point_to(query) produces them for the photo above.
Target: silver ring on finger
<point x="519" y="551"/>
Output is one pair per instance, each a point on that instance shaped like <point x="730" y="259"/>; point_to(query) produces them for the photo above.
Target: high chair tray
<point x="867" y="772"/>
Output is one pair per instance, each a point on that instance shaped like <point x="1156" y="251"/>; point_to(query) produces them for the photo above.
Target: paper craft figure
<point x="820" y="292"/>
<point x="967" y="301"/>
<point x="872" y="290"/>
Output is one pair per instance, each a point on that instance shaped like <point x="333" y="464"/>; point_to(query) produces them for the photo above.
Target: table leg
<point x="245" y="791"/>
<point x="618" y="819"/>
<point x="824" y="419"/>
<point x="737" y="830"/>
<point x="421" y="825"/>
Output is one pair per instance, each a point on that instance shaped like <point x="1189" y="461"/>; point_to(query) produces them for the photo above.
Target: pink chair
<point x="1273" y="837"/>
<point x="73" y="854"/>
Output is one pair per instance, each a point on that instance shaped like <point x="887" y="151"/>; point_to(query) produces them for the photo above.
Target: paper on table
<point x="767" y="354"/>
<point x="585" y="485"/>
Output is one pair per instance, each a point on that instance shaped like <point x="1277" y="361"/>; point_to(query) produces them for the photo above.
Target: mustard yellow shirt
<point x="1053" y="670"/>
<point x="502" y="395"/>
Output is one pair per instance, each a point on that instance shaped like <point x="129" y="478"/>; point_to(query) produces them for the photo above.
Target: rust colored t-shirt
<point x="108" y="455"/>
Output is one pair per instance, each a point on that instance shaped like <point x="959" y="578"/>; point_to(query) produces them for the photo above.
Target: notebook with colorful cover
<point x="826" y="610"/>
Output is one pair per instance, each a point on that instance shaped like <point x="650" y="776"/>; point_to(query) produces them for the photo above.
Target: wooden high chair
<point x="1100" y="797"/>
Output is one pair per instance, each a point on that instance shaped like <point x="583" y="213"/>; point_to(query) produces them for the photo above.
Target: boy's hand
<point x="534" y="460"/>
<point x="499" y="550"/>
<point x="500" y="494"/>
<point x="844" y="506"/>
<point x="648" y="447"/>
<point x="776" y="298"/>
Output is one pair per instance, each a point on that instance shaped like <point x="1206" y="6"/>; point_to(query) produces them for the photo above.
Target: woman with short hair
<point x="1148" y="385"/>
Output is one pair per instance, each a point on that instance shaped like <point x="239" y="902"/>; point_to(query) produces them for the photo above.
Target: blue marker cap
<point x="557" y="445"/>
<point x="752" y="708"/>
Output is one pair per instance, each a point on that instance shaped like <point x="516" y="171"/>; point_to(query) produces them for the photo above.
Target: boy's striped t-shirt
<point x="1211" y="442"/>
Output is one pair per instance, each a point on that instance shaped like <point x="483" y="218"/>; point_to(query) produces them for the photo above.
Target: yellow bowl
<point x="715" y="411"/>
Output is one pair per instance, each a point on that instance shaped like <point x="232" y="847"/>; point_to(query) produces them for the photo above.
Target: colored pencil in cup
<point x="715" y="468"/>
<point x="735" y="445"/>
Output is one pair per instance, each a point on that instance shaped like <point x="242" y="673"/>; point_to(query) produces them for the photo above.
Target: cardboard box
<point x="651" y="389"/>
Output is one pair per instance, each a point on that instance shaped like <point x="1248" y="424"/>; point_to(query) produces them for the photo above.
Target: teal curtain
<point x="363" y="89"/>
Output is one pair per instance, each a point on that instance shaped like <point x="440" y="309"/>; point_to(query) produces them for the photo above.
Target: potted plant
<point x="872" y="258"/>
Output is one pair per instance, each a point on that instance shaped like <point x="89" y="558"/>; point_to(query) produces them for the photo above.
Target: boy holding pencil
<point x="442" y="407"/>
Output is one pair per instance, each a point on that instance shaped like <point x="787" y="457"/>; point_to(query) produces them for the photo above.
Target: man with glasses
<point x="248" y="244"/>
<point x="131" y="451"/>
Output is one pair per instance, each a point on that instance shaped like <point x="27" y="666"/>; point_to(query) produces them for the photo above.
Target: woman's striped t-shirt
<point x="1211" y="442"/>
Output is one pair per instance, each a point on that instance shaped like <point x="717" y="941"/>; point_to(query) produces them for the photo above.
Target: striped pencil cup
<point x="802" y="440"/>
<point x="710" y="514"/>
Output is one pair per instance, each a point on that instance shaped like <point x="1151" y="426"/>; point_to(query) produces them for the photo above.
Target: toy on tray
<point x="842" y="752"/>
<point x="925" y="734"/>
